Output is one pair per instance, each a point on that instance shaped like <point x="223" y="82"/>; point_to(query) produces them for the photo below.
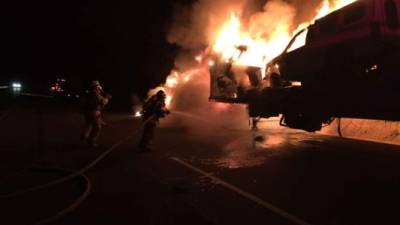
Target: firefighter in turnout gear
<point x="153" y="109"/>
<point x="92" y="107"/>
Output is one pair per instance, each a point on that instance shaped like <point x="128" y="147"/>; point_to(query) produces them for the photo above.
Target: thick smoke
<point x="195" y="28"/>
<point x="275" y="17"/>
<point x="305" y="10"/>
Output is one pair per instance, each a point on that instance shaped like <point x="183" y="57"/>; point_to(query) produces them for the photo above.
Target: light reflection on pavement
<point x="238" y="146"/>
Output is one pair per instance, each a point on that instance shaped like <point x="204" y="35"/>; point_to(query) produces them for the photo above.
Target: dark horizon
<point x="121" y="43"/>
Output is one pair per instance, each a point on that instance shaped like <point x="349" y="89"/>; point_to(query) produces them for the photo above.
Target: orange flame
<point x="172" y="82"/>
<point x="328" y="7"/>
<point x="259" y="50"/>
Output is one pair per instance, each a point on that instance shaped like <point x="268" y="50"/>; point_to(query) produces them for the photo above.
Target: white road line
<point x="244" y="194"/>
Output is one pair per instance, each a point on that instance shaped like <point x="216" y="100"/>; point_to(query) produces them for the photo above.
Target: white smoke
<point x="195" y="27"/>
<point x="276" y="16"/>
<point x="194" y="30"/>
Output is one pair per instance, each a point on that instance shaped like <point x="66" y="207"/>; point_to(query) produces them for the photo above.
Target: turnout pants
<point x="92" y="129"/>
<point x="148" y="134"/>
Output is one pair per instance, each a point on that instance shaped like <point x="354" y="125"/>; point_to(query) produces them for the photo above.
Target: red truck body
<point x="360" y="37"/>
<point x="348" y="67"/>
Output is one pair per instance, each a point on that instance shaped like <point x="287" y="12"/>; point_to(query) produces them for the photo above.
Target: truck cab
<point x="361" y="39"/>
<point x="348" y="67"/>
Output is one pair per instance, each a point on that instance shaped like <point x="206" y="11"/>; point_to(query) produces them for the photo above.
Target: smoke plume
<point x="196" y="27"/>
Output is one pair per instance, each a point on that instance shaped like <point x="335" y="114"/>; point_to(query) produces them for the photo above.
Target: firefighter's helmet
<point x="161" y="94"/>
<point x="95" y="84"/>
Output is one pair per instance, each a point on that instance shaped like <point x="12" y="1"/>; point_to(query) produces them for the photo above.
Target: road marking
<point x="244" y="194"/>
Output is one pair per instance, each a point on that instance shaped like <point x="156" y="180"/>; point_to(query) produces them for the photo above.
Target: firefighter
<point x="92" y="107"/>
<point x="153" y="109"/>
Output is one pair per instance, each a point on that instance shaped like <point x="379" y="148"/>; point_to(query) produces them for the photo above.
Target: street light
<point x="16" y="87"/>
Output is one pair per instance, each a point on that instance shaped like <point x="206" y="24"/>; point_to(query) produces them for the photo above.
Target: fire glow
<point x="227" y="38"/>
<point x="261" y="50"/>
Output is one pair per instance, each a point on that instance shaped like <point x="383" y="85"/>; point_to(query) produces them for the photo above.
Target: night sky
<point x="122" y="43"/>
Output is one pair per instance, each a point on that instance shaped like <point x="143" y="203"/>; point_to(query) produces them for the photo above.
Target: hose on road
<point x="73" y="175"/>
<point x="78" y="201"/>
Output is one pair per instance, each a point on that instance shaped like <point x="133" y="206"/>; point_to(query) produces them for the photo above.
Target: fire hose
<point x="74" y="205"/>
<point x="76" y="174"/>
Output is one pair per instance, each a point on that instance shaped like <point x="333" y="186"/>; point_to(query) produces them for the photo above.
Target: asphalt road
<point x="200" y="173"/>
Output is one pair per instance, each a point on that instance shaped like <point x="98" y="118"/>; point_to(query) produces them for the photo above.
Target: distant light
<point x="3" y="87"/>
<point x="296" y="83"/>
<point x="211" y="63"/>
<point x="138" y="114"/>
<point x="16" y="85"/>
<point x="374" y="67"/>
<point x="69" y="95"/>
<point x="76" y="96"/>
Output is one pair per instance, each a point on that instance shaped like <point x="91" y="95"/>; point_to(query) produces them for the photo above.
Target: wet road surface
<point x="198" y="175"/>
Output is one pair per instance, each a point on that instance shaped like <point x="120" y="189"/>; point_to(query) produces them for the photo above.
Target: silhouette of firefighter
<point x="153" y="109"/>
<point x="92" y="107"/>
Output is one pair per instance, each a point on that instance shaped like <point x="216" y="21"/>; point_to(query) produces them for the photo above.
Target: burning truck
<point x="348" y="67"/>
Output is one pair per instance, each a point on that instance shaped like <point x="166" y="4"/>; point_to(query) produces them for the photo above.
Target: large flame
<point x="173" y="80"/>
<point x="259" y="50"/>
<point x="232" y="36"/>
<point x="328" y="7"/>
